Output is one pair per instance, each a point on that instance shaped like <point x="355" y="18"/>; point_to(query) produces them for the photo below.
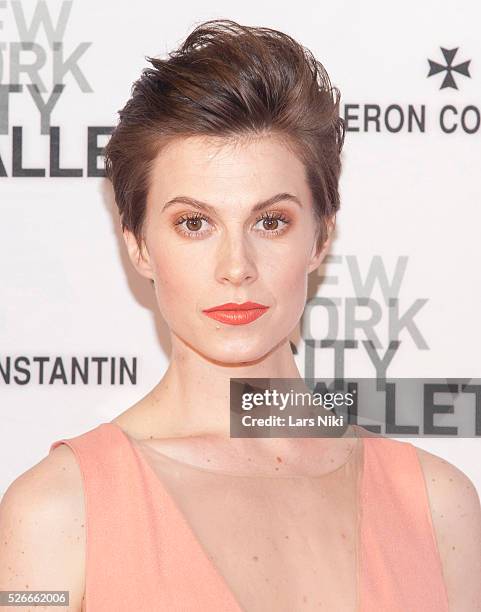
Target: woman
<point x="225" y="167"/>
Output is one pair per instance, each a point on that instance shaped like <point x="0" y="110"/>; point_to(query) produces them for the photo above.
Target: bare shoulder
<point x="42" y="528"/>
<point x="456" y="516"/>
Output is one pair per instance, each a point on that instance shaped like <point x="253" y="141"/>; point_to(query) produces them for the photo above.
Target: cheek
<point x="289" y="284"/>
<point x="171" y="280"/>
<point x="179" y="282"/>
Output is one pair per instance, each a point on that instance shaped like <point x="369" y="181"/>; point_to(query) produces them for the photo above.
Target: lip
<point x="236" y="317"/>
<point x="234" y="306"/>
<point x="236" y="314"/>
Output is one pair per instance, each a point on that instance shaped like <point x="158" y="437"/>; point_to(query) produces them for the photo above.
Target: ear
<point x="139" y="258"/>
<point x="318" y="254"/>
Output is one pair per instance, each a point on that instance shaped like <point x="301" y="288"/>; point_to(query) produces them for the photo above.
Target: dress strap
<point x="122" y="564"/>
<point x="139" y="553"/>
<point x="399" y="553"/>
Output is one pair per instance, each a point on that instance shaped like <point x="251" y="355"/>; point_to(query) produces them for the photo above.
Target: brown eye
<point x="273" y="223"/>
<point x="193" y="225"/>
<point x="270" y="224"/>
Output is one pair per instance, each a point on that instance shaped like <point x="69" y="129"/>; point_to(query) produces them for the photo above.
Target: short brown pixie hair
<point x="232" y="81"/>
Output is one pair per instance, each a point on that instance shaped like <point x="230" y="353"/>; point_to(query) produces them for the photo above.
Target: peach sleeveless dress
<point x="162" y="535"/>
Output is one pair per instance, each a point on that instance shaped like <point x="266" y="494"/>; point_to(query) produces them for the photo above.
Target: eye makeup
<point x="270" y="221"/>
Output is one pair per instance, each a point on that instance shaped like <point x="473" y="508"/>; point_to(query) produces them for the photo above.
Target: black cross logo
<point x="448" y="81"/>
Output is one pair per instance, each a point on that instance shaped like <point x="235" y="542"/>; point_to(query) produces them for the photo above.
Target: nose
<point x="235" y="261"/>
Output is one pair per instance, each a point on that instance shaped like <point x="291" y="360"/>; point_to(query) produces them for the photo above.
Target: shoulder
<point x="54" y="484"/>
<point x="449" y="488"/>
<point x="42" y="527"/>
<point x="456" y="517"/>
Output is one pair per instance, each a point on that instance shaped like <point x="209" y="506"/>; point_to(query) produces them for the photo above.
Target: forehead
<point x="217" y="169"/>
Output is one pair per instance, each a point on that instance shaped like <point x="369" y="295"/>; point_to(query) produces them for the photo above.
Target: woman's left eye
<point x="270" y="222"/>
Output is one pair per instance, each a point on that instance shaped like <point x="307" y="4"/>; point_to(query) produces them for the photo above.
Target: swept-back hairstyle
<point x="232" y="81"/>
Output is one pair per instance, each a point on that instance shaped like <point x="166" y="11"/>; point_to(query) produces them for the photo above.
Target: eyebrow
<point x="212" y="210"/>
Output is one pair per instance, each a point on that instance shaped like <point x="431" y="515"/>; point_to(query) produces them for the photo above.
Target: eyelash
<point x="271" y="216"/>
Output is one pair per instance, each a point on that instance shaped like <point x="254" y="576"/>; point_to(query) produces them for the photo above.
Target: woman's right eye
<point x="190" y="225"/>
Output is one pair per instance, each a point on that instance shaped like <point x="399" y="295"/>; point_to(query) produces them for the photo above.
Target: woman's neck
<point x="190" y="406"/>
<point x="193" y="396"/>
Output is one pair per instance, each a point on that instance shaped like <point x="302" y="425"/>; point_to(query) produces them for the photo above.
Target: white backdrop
<point x="409" y="198"/>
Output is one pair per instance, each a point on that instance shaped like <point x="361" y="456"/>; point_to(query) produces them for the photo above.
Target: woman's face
<point x="201" y="257"/>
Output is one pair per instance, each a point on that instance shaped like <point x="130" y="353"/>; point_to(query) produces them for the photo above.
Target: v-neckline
<point x="214" y="570"/>
<point x="236" y="607"/>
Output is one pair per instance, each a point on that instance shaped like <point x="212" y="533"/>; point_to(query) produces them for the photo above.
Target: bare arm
<point x="42" y="531"/>
<point x="456" y="515"/>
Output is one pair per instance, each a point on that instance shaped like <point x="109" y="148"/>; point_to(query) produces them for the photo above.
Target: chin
<point x="235" y="359"/>
<point x="242" y="352"/>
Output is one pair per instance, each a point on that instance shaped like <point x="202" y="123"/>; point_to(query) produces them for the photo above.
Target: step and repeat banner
<point x="399" y="294"/>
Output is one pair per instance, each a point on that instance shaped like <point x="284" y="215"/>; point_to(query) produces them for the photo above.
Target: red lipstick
<point x="236" y="314"/>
